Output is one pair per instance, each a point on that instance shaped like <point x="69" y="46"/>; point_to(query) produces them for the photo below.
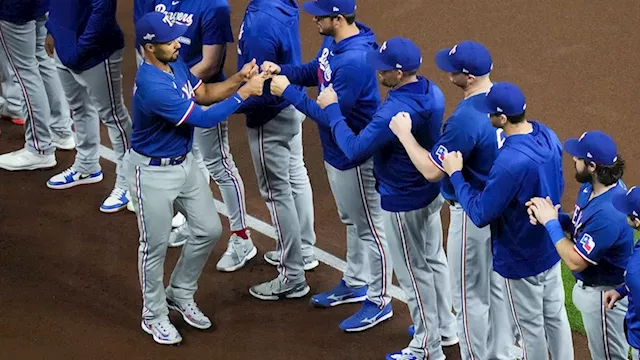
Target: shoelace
<point x="69" y="171"/>
<point x="234" y="242"/>
<point x="117" y="193"/>
<point x="194" y="310"/>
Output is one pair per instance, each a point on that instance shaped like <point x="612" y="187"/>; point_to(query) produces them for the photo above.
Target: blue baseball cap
<point x="395" y="54"/>
<point x="467" y="57"/>
<point x="504" y="98"/>
<point x="156" y="27"/>
<point x="329" y="7"/>
<point x="594" y="146"/>
<point x="629" y="202"/>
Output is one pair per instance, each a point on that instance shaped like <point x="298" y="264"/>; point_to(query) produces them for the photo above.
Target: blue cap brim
<point x="312" y="8"/>
<point x="443" y="63"/>
<point x="375" y="60"/>
<point x="621" y="203"/>
<point x="479" y="102"/>
<point x="572" y="147"/>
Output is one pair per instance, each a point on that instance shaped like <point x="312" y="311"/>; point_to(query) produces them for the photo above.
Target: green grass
<point x="575" y="319"/>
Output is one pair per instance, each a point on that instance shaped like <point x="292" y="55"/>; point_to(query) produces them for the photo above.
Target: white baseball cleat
<point x="239" y="252"/>
<point x="63" y="143"/>
<point x="25" y="160"/>
<point x="191" y="314"/>
<point x="178" y="220"/>
<point x="163" y="332"/>
<point x="179" y="235"/>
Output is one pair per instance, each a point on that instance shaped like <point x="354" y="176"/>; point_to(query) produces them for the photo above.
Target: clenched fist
<point x="279" y="84"/>
<point x="327" y="97"/>
<point x="401" y="124"/>
<point x="248" y="71"/>
<point x="270" y="68"/>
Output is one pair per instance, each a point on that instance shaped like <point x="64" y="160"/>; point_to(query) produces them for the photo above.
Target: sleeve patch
<point x="441" y="151"/>
<point x="587" y="243"/>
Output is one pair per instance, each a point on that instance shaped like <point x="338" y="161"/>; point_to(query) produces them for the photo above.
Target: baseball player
<point x="88" y="45"/>
<point x="269" y="32"/>
<point x="341" y="61"/>
<point x="600" y="243"/>
<point x="22" y="55"/>
<point x="478" y="296"/>
<point x="529" y="164"/>
<point x="411" y="203"/>
<point x="161" y="170"/>
<point x="204" y="51"/>
<point x="629" y="204"/>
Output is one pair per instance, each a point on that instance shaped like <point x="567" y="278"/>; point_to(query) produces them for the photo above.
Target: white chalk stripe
<point x="268" y="230"/>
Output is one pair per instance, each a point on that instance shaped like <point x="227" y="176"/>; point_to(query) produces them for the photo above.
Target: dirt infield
<point x="68" y="272"/>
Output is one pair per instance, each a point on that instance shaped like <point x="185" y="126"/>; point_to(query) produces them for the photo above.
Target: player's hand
<point x="270" y="68"/>
<point x="452" y="162"/>
<point x="543" y="209"/>
<point x="401" y="124"/>
<point x="248" y="70"/>
<point x="327" y="97"/>
<point x="49" y="45"/>
<point x="610" y="298"/>
<point x="253" y="87"/>
<point x="279" y="84"/>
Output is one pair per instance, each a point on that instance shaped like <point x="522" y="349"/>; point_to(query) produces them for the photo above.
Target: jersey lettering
<point x="324" y="68"/>
<point x="178" y="16"/>
<point x="240" y="38"/>
<point x="577" y="219"/>
<point x="500" y="137"/>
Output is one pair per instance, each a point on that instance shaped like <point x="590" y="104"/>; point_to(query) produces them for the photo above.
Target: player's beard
<point x="331" y="31"/>
<point x="584" y="176"/>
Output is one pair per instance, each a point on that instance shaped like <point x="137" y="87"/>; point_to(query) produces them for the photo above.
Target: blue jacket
<point x="527" y="165"/>
<point x="400" y="185"/>
<point x="345" y="66"/>
<point x="86" y="32"/>
<point x="21" y="11"/>
<point x="269" y="32"/>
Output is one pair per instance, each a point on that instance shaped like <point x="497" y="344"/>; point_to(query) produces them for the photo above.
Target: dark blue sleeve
<point x="454" y="138"/>
<point x="103" y="14"/>
<point x="357" y="147"/>
<point x="565" y="222"/>
<point x="216" y="26"/>
<point x="166" y="102"/>
<point x="486" y="206"/>
<point x="305" y="74"/>
<point x="259" y="48"/>
<point x="595" y="239"/>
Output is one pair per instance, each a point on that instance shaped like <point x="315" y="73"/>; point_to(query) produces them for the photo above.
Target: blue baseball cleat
<point x="369" y="316"/>
<point x="340" y="294"/>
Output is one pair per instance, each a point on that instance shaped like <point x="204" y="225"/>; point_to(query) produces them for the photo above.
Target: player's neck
<point x="157" y="63"/>
<point x="478" y="88"/>
<point x="347" y="32"/>
<point x="405" y="81"/>
<point x="599" y="189"/>
<point x="520" y="128"/>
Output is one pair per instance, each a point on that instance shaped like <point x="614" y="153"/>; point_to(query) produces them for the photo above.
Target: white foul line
<point x="268" y="230"/>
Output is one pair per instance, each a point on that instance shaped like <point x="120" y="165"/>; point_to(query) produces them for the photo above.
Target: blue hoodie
<point x="631" y="287"/>
<point x="269" y="32"/>
<point x="400" y="185"/>
<point x="21" y="11"/>
<point x="86" y="32"/>
<point x="528" y="165"/>
<point x="345" y="66"/>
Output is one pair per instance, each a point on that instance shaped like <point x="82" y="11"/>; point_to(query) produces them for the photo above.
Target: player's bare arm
<point x="547" y="215"/>
<point x="208" y="94"/>
<point x="401" y="127"/>
<point x="211" y="62"/>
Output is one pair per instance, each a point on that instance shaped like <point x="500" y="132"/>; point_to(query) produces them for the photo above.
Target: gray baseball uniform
<point x="60" y="121"/>
<point x="635" y="354"/>
<point x="358" y="203"/>
<point x="540" y="300"/>
<point x="604" y="327"/>
<point x="413" y="237"/>
<point x="19" y="51"/>
<point x="276" y="150"/>
<point x="94" y="95"/>
<point x="155" y="190"/>
<point x="479" y="301"/>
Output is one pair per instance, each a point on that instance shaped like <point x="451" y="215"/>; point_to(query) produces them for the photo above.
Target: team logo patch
<point x="587" y="243"/>
<point x="441" y="152"/>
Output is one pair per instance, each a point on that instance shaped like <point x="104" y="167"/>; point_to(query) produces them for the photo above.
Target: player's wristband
<point x="555" y="230"/>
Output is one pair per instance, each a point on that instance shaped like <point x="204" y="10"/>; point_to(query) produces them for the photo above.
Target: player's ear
<point x="636" y="223"/>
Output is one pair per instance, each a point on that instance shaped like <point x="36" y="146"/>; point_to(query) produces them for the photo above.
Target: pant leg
<point x="11" y="99"/>
<point x="196" y="202"/>
<point x="85" y="120"/>
<point x="635" y="354"/>
<point x="19" y="51"/>
<point x="105" y="89"/>
<point x="415" y="249"/>
<point x="478" y="292"/>
<point x="358" y="204"/>
<point x="301" y="187"/>
<point x="154" y="190"/>
<point x="60" y="113"/>
<point x="270" y="151"/>
<point x="195" y="149"/>
<point x="556" y="321"/>
<point x="526" y="304"/>
<point x="604" y="327"/>
<point x="214" y="146"/>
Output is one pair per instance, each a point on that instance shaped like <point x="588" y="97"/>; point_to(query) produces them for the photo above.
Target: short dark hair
<point x="410" y="72"/>
<point x="349" y="18"/>
<point x="513" y="119"/>
<point x="610" y="174"/>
